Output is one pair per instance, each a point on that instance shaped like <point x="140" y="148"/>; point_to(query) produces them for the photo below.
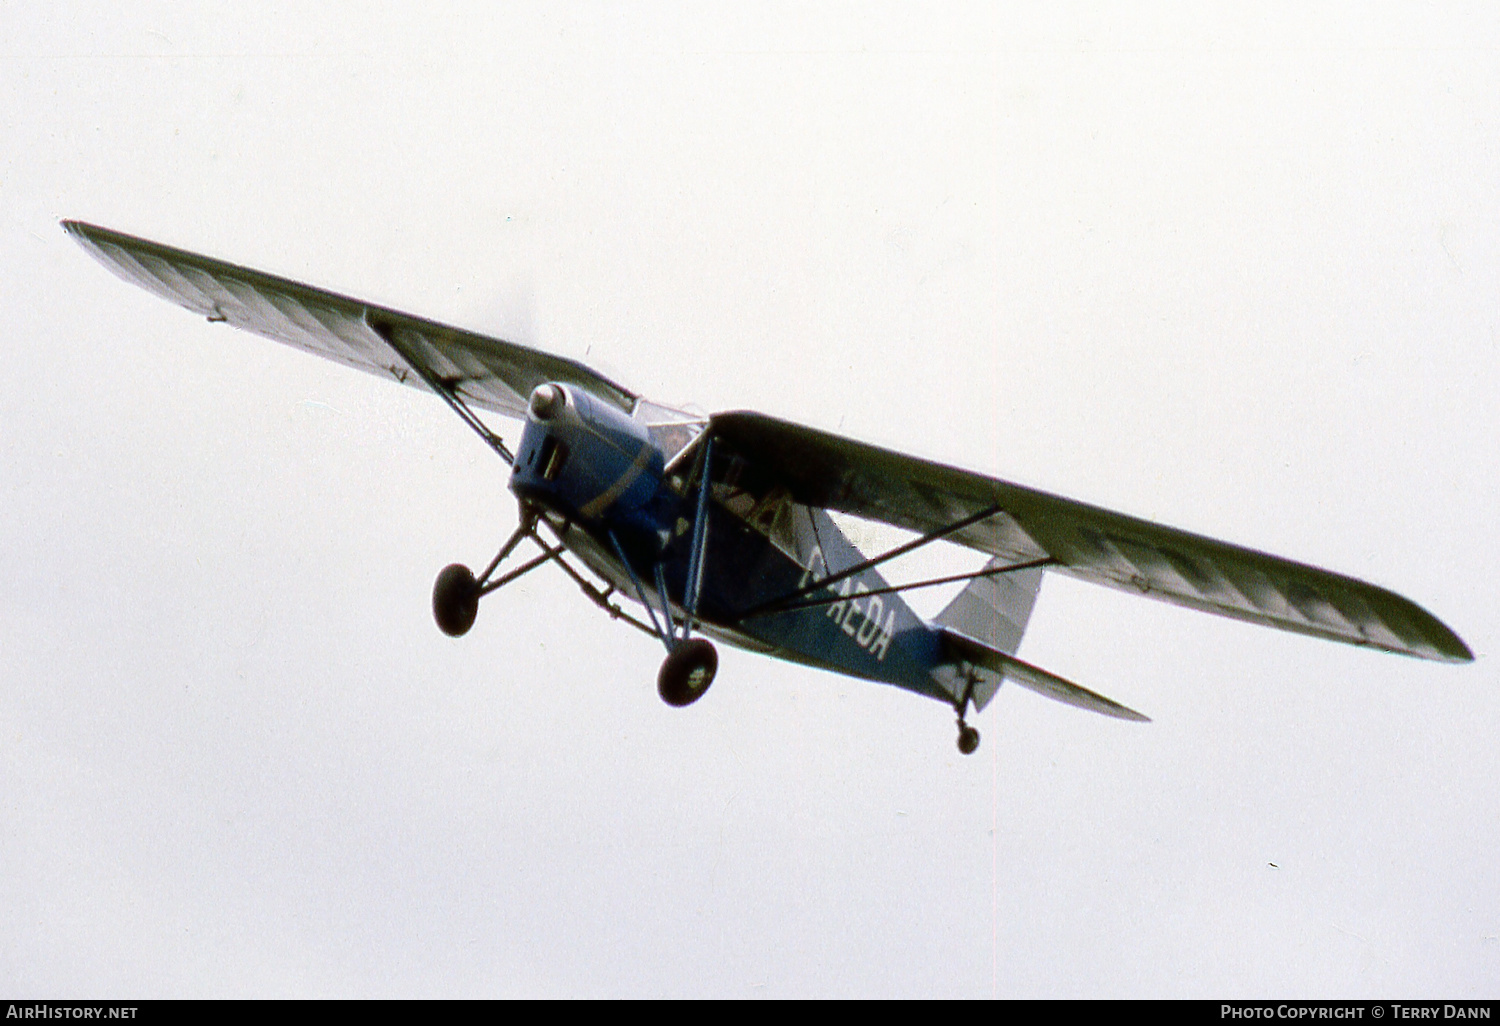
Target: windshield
<point x="671" y="429"/>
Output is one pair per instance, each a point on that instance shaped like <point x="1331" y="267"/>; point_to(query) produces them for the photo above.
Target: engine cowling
<point x="583" y="458"/>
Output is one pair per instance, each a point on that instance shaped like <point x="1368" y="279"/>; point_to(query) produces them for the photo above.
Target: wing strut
<point x="668" y="635"/>
<point x="666" y="629"/>
<point x="445" y="389"/>
<point x="783" y="603"/>
<point x="595" y="595"/>
<point x="828" y="600"/>
<point x="700" y="539"/>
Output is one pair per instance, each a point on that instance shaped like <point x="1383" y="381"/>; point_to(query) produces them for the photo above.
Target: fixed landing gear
<point x="456" y="592"/>
<point x="687" y="672"/>
<point x="968" y="737"/>
<point x="455" y="600"/>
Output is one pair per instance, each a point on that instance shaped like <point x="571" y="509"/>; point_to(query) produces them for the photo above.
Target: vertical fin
<point x="992" y="610"/>
<point x="995" y="609"/>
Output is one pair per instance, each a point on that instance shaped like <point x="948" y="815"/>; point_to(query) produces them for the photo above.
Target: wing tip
<point x="1458" y="655"/>
<point x="85" y="234"/>
<point x="1453" y="648"/>
<point x="1435" y="640"/>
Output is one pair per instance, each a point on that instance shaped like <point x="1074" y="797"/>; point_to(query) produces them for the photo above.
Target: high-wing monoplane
<point x="721" y="526"/>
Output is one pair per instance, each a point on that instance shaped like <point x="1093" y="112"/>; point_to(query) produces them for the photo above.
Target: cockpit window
<point x="671" y="430"/>
<point x="774" y="515"/>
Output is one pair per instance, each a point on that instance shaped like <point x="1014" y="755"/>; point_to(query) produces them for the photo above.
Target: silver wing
<point x="1084" y="541"/>
<point x="485" y="372"/>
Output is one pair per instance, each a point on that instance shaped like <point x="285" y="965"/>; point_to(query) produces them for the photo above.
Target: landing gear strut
<point x="691" y="663"/>
<point x="456" y="593"/>
<point x="968" y="737"/>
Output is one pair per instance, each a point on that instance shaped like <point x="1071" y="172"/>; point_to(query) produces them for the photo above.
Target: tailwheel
<point x="687" y="672"/>
<point x="968" y="738"/>
<point x="455" y="600"/>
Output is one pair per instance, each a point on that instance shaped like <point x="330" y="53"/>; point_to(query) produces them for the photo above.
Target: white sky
<point x="1233" y="271"/>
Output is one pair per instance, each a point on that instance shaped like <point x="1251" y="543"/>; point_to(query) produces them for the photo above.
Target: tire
<point x="455" y="600"/>
<point x="687" y="672"/>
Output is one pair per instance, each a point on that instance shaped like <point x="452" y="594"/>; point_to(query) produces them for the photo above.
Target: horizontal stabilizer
<point x="1034" y="677"/>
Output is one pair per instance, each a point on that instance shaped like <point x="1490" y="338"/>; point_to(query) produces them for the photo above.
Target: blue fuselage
<point x="606" y="483"/>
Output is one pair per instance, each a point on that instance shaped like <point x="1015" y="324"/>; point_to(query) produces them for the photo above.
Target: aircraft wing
<point x="485" y="372"/>
<point x="1083" y="541"/>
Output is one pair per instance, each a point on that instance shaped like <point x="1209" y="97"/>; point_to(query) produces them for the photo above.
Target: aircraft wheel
<point x="968" y="739"/>
<point x="455" y="600"/>
<point x="687" y="672"/>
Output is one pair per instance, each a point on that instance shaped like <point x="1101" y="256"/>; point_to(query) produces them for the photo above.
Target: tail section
<point x="992" y="611"/>
<point x="981" y="630"/>
<point x="989" y="667"/>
